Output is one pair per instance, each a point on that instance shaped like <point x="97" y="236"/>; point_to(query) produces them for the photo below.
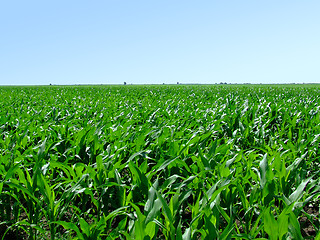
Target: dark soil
<point x="307" y="228"/>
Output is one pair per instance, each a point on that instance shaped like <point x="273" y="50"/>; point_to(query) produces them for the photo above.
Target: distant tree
<point x="125" y="83"/>
<point x="178" y="83"/>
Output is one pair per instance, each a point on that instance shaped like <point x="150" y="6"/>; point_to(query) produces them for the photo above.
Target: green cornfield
<point x="160" y="162"/>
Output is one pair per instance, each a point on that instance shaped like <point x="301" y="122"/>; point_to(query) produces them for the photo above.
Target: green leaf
<point x="294" y="227"/>
<point x="283" y="224"/>
<point x="139" y="178"/>
<point x="139" y="224"/>
<point x="84" y="227"/>
<point x="187" y="234"/>
<point x="154" y="212"/>
<point x="70" y="226"/>
<point x="270" y="224"/>
<point x="264" y="168"/>
<point x="297" y="194"/>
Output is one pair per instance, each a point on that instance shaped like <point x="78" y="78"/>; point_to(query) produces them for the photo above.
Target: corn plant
<point x="160" y="162"/>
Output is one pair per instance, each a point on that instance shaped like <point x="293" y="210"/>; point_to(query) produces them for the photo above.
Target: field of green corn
<point x="160" y="162"/>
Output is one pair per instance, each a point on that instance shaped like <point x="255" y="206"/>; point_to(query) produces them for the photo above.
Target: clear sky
<point x="159" y="41"/>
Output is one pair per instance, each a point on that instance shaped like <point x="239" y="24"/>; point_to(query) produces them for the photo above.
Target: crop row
<point x="159" y="162"/>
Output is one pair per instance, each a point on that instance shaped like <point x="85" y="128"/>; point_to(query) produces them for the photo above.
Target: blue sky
<point x="144" y="42"/>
